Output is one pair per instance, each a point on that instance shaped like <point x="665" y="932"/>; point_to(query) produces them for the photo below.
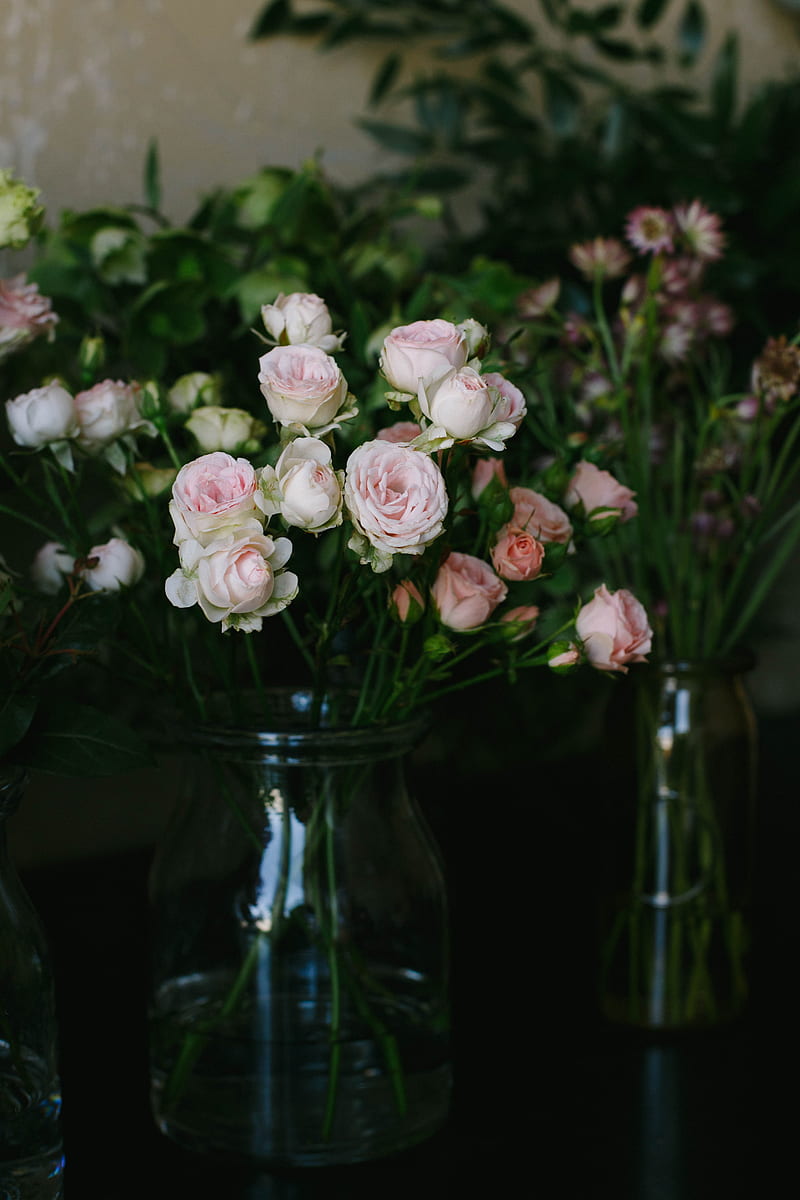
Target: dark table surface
<point x="548" y="1101"/>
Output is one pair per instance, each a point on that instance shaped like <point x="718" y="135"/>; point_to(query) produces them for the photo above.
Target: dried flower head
<point x="776" y="372"/>
<point x="700" y="230"/>
<point x="606" y="257"/>
<point x="650" y="230"/>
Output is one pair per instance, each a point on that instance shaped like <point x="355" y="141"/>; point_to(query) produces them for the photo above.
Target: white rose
<point x="214" y="493"/>
<point x="422" y="352"/>
<point x="46" y="414"/>
<point x="304" y="487"/>
<point x="397" y="500"/>
<point x="50" y="566"/>
<point x="461" y="403"/>
<point x="301" y="317"/>
<point x="229" y="429"/>
<point x="114" y="565"/>
<point x="193" y="389"/>
<point x="235" y="580"/>
<point x="106" y="412"/>
<point x="302" y="386"/>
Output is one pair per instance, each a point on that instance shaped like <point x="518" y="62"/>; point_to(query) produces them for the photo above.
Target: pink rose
<point x="213" y="493"/>
<point x="113" y="565"/>
<point x="511" y="406"/>
<point x="466" y="591"/>
<point x="484" y="471"/>
<point x="401" y="431"/>
<point x="421" y="353"/>
<point x="302" y="385"/>
<point x="107" y="411"/>
<point x="397" y="501"/>
<point x="614" y="629"/>
<point x="517" y="555"/>
<point x="24" y="315"/>
<point x="460" y="402"/>
<point x="236" y="580"/>
<point x="301" y="317"/>
<point x="597" y="489"/>
<point x="406" y="602"/>
<point x="520" y="621"/>
<point x="540" y="516"/>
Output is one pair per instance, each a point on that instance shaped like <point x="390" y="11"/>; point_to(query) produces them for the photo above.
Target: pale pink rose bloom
<point x="461" y="403"/>
<point x="407" y="602"/>
<point x="520" y="621"/>
<point x="107" y="411"/>
<point x="517" y="555"/>
<point x="511" y="405"/>
<point x="24" y="315"/>
<point x="113" y="565"/>
<point x="564" y="660"/>
<point x="50" y="567"/>
<point x="235" y="580"/>
<point x="543" y="518"/>
<point x="41" y="416"/>
<point x="401" y="431"/>
<point x="212" y="493"/>
<point x="396" y="498"/>
<point x="484" y="471"/>
<point x="309" y="489"/>
<point x="422" y="352"/>
<point x="614" y="630"/>
<point x="301" y="317"/>
<point x="302" y="385"/>
<point x="595" y="488"/>
<point x="466" y="591"/>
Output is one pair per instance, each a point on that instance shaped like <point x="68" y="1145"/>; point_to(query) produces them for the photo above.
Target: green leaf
<point x="398" y="138"/>
<point x="384" y="78"/>
<point x="274" y="18"/>
<point x="691" y="32"/>
<point x="650" y="12"/>
<point x="618" y="50"/>
<point x="724" y="81"/>
<point x="152" y="177"/>
<point x="77" y="739"/>
<point x="16" y="715"/>
<point x="597" y="22"/>
<point x="562" y="103"/>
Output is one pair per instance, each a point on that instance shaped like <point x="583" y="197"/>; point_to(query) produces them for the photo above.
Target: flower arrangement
<point x="633" y="373"/>
<point x="400" y="560"/>
<point x="633" y="392"/>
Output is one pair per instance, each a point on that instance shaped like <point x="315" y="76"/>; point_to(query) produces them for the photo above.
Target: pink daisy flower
<point x="600" y="256"/>
<point x="700" y="229"/>
<point x="650" y="230"/>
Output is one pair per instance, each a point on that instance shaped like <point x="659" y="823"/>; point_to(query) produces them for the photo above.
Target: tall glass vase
<point x="299" y="1011"/>
<point x="31" y="1158"/>
<point x="675" y="923"/>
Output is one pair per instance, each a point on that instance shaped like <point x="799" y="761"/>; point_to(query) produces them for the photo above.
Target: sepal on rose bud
<point x="563" y="657"/>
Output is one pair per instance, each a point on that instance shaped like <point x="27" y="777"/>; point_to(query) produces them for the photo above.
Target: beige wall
<point x="84" y="85"/>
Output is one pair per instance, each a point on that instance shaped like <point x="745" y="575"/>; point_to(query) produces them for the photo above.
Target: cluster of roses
<point x="391" y="490"/>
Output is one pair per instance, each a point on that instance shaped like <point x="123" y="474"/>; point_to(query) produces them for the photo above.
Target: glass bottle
<point x="299" y="1009"/>
<point x="31" y="1157"/>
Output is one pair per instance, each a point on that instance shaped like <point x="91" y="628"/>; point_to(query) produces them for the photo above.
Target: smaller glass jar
<point x="31" y="1157"/>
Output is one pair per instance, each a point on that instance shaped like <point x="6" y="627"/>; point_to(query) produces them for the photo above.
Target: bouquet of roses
<point x="400" y="560"/>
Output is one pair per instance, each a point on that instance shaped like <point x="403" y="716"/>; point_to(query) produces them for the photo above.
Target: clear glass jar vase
<point x="299" y="1012"/>
<point x="676" y="911"/>
<point x="31" y="1156"/>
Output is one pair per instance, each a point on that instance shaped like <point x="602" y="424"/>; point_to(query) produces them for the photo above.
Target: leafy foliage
<point x="535" y="117"/>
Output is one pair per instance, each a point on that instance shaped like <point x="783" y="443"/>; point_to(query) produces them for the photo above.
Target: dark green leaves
<point x="76" y="739"/>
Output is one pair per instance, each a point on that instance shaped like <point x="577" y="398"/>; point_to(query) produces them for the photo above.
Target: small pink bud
<point x="406" y="603"/>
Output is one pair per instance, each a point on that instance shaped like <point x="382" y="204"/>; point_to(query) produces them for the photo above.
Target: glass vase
<point x="675" y="924"/>
<point x="31" y="1158"/>
<point x="299" y="1012"/>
